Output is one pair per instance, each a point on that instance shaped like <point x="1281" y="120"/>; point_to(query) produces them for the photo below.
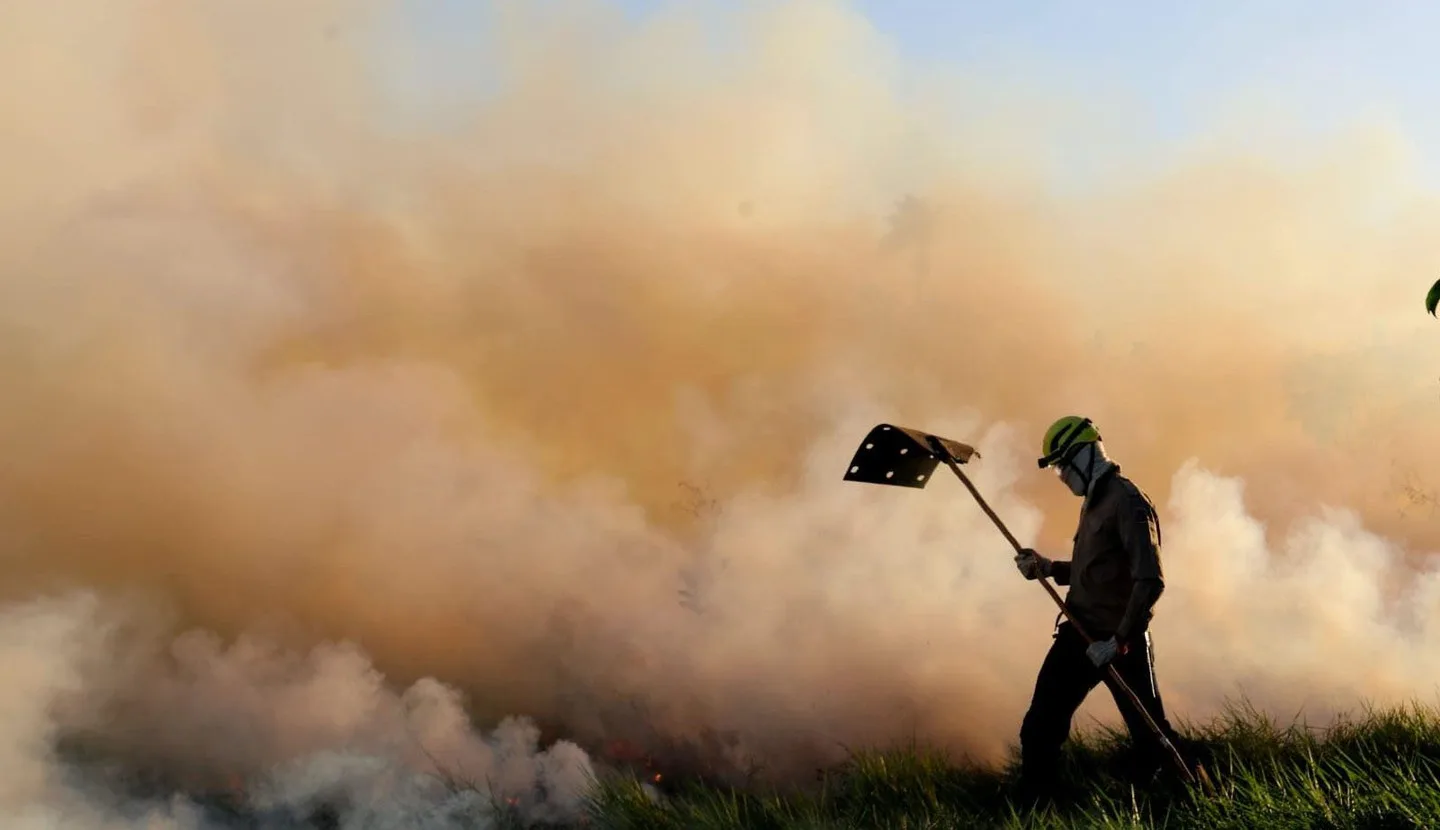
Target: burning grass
<point x="1378" y="770"/>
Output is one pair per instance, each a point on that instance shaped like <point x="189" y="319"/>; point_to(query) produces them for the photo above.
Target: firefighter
<point x="1114" y="578"/>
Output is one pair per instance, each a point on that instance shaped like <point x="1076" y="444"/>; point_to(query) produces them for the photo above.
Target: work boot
<point x="1032" y="796"/>
<point x="1038" y="789"/>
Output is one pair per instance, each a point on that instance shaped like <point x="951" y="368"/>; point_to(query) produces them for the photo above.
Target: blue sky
<point x="1313" y="65"/>
<point x="1327" y="61"/>
<point x="1185" y="60"/>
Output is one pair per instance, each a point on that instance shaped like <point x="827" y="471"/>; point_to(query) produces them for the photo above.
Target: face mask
<point x="1078" y="471"/>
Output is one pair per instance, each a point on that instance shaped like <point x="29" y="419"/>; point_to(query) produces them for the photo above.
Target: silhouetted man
<point x="1115" y="578"/>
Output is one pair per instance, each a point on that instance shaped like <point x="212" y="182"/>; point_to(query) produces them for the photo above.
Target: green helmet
<point x="1064" y="437"/>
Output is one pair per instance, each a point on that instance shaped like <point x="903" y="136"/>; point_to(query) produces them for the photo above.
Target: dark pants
<point x="1066" y="677"/>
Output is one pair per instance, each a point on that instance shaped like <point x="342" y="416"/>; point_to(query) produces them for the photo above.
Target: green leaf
<point x="1433" y="298"/>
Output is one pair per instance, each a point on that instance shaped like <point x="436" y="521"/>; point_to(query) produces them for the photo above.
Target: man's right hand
<point x="1031" y="564"/>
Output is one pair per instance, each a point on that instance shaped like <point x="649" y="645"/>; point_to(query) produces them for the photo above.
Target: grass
<point x="1378" y="770"/>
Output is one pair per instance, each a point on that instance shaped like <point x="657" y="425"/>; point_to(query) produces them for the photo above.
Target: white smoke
<point x="249" y="728"/>
<point x="1316" y="618"/>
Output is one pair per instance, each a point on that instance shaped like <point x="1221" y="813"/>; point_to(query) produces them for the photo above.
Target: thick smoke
<point x="99" y="730"/>
<point x="538" y="384"/>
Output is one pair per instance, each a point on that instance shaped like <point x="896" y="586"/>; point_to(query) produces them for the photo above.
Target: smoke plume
<point x="522" y="354"/>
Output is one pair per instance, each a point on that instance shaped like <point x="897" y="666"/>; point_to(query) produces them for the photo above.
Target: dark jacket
<point x="1114" y="571"/>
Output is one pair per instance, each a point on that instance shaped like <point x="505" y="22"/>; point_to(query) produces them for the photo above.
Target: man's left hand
<point x="1102" y="652"/>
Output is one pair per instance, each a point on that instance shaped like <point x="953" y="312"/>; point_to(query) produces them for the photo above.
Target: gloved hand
<point x="1031" y="564"/>
<point x="1101" y="652"/>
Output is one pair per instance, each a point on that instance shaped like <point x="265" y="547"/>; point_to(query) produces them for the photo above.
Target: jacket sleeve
<point x="1140" y="536"/>
<point x="1060" y="571"/>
